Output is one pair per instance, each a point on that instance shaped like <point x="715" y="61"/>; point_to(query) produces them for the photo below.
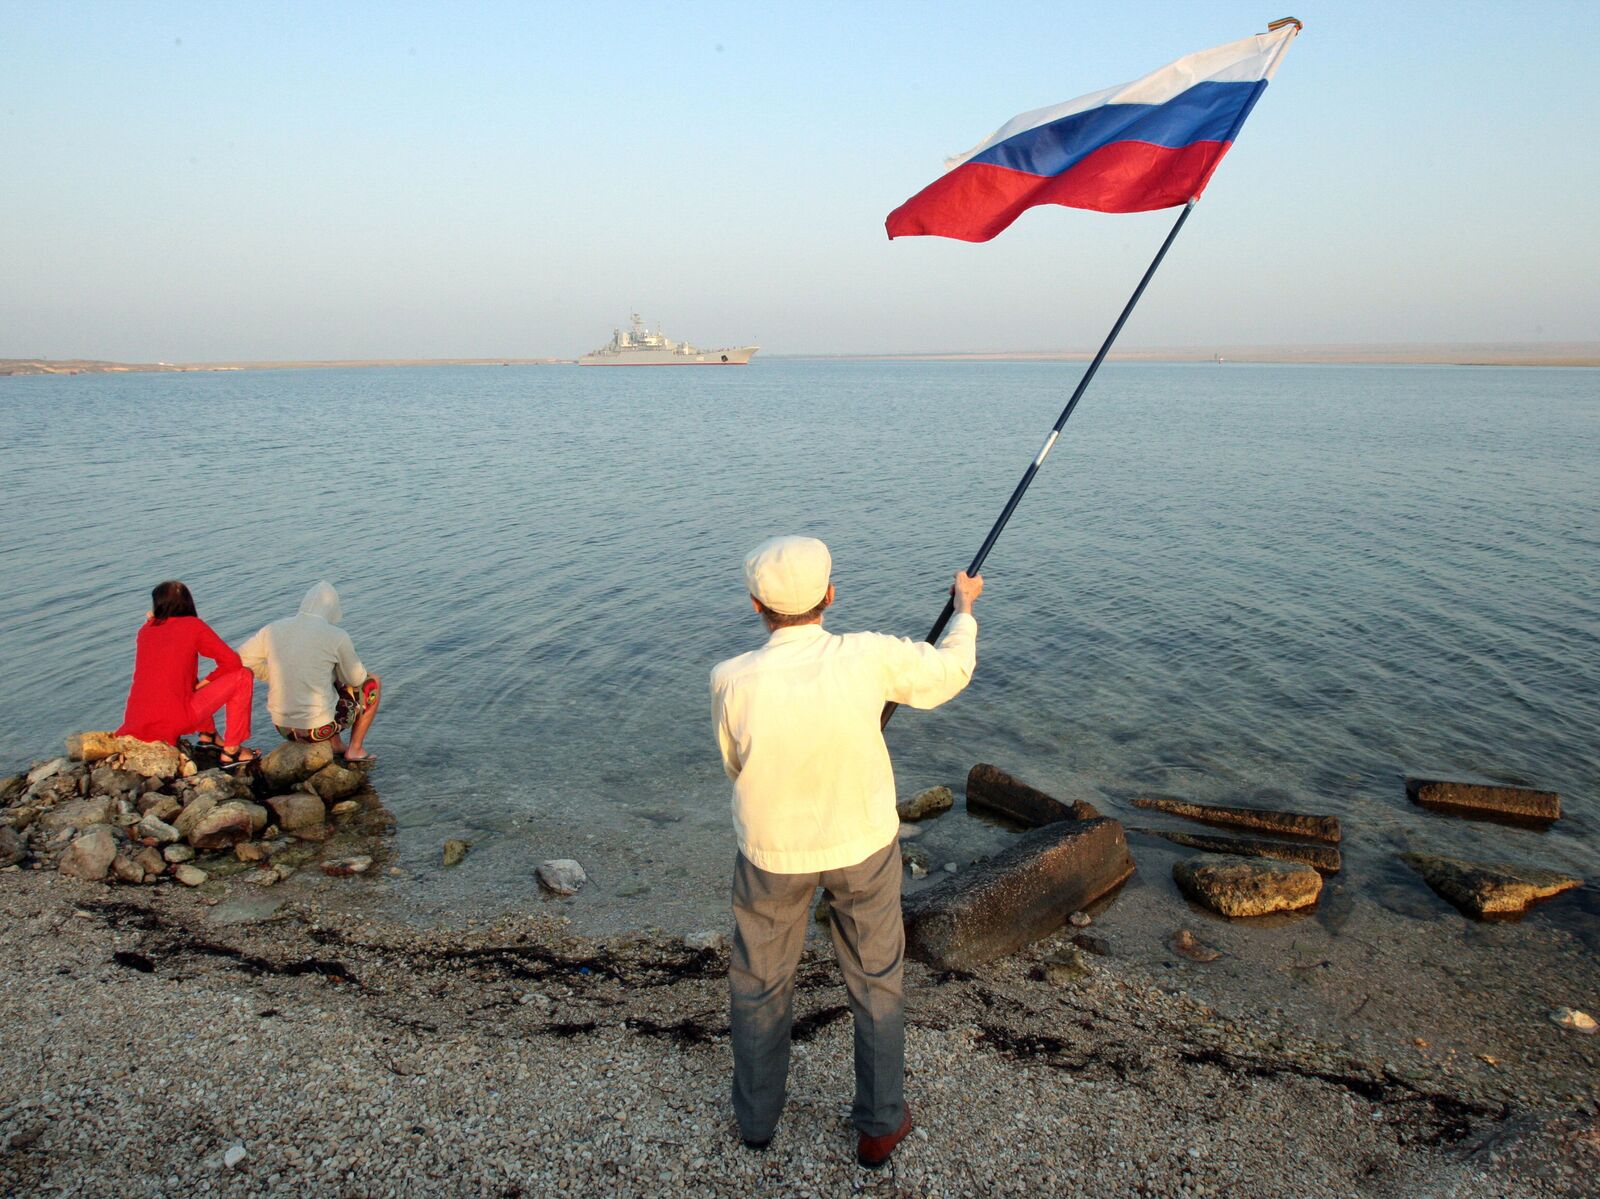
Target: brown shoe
<point x="872" y="1152"/>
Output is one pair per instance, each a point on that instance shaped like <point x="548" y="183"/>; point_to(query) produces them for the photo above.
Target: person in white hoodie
<point x="316" y="686"/>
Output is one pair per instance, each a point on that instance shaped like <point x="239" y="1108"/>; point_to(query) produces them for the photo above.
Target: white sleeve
<point x="920" y="675"/>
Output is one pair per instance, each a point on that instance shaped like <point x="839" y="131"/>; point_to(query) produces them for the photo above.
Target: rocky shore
<point x="256" y="1035"/>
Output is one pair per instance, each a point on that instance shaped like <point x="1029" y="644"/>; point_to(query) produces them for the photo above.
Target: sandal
<point x="208" y="741"/>
<point x="363" y="760"/>
<point x="243" y="756"/>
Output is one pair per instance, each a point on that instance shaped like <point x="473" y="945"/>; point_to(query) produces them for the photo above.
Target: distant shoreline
<point x="1579" y="354"/>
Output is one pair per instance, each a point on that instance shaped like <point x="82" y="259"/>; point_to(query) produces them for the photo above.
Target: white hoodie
<point x="300" y="658"/>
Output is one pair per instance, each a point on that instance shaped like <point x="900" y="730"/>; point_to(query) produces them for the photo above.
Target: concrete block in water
<point x="1473" y="799"/>
<point x="1023" y="893"/>
<point x="1324" y="859"/>
<point x="991" y="789"/>
<point x="1294" y="824"/>
<point x="1486" y="889"/>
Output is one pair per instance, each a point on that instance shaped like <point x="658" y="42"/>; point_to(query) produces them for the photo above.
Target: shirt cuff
<point x="963" y="622"/>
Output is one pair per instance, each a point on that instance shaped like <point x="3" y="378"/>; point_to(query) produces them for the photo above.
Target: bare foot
<point x="359" y="755"/>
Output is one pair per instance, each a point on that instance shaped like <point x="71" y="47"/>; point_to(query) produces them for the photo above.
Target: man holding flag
<point x="813" y="790"/>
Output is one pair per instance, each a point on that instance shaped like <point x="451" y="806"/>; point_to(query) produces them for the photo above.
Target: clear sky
<point x="211" y="181"/>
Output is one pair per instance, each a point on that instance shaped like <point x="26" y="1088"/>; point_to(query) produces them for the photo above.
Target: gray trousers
<point x="770" y="913"/>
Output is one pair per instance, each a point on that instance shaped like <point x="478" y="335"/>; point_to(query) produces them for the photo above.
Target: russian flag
<point x="1148" y="144"/>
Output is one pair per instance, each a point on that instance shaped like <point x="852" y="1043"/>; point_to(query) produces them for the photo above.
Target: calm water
<point x="1256" y="584"/>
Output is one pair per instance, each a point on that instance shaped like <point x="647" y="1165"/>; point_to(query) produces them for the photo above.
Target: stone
<point x="90" y="855"/>
<point x="909" y="832"/>
<point x="824" y="910"/>
<point x="160" y="805"/>
<point x="1065" y="967"/>
<point x="951" y="867"/>
<point x="126" y="869"/>
<point x="91" y="747"/>
<point x="1023" y="893"/>
<point x="225" y="825"/>
<point x="1576" y="1021"/>
<point x="193" y="813"/>
<point x="234" y="1156"/>
<point x="220" y="785"/>
<point x="189" y="876"/>
<point x="990" y="789"/>
<point x="455" y="850"/>
<point x="22" y="817"/>
<point x="57" y="788"/>
<point x="294" y="762"/>
<point x="333" y="782"/>
<point x="150" y="861"/>
<point x="153" y="759"/>
<point x="1482" y="889"/>
<point x="78" y="814"/>
<point x="706" y="939"/>
<point x="339" y="867"/>
<point x="297" y="810"/>
<point x="1098" y="946"/>
<point x="155" y="829"/>
<point x="346" y="807"/>
<point x="1236" y="886"/>
<point x="1514" y="804"/>
<point x="1185" y="943"/>
<point x="12" y="786"/>
<point x="1294" y="824"/>
<point x="177" y="854"/>
<point x="1324" y="859"/>
<point x="918" y="870"/>
<point x="45" y="771"/>
<point x="914" y="857"/>
<point x="12" y="849"/>
<point x="563" y="876"/>
<point x="932" y="802"/>
<point x="108" y="780"/>
<point x="1080" y="920"/>
<point x="249" y="851"/>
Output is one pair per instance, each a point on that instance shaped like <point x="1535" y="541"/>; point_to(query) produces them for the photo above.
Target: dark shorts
<point x="352" y="702"/>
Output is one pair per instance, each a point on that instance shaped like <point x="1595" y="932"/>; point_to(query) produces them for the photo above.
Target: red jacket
<point x="164" y="669"/>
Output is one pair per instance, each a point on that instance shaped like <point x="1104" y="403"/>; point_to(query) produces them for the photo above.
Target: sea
<point x="1272" y="585"/>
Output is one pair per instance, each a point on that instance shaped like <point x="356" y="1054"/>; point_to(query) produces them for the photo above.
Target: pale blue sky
<point x="203" y="181"/>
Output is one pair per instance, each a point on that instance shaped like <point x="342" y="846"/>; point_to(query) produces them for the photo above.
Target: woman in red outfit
<point x="165" y="701"/>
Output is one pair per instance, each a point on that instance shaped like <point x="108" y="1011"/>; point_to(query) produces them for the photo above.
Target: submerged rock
<point x="90" y="855"/>
<point x="927" y="803"/>
<point x="1324" y="859"/>
<point x="1234" y="886"/>
<point x="1519" y="804"/>
<point x="1296" y="824"/>
<point x="563" y="876"/>
<point x="1483" y="889"/>
<point x="992" y="790"/>
<point x="455" y="850"/>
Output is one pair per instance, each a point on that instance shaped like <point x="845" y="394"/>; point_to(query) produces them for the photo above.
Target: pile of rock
<point x="116" y="809"/>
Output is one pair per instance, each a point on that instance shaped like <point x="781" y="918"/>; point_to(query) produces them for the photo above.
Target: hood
<point x="322" y="600"/>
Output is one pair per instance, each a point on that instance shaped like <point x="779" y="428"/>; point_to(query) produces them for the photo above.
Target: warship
<point x="637" y="346"/>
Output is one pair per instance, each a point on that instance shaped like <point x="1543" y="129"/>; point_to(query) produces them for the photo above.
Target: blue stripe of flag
<point x="1205" y="112"/>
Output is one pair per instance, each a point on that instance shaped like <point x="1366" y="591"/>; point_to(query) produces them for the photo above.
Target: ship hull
<point x="735" y="356"/>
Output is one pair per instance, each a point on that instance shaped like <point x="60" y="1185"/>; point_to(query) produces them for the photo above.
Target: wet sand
<point x="149" y="1031"/>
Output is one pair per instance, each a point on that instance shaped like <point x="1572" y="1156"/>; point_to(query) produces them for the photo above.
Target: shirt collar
<point x="796" y="633"/>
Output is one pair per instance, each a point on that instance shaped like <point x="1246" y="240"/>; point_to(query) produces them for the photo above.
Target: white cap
<point x="789" y="574"/>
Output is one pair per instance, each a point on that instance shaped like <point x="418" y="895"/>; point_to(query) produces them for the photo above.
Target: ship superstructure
<point x="638" y="346"/>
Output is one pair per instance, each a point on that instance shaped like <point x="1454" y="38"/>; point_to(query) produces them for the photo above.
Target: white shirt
<point x="797" y="722"/>
<point x="298" y="659"/>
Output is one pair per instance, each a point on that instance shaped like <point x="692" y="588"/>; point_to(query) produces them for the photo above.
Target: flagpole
<point x="1049" y="442"/>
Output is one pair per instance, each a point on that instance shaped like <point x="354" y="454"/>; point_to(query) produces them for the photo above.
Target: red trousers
<point x="232" y="691"/>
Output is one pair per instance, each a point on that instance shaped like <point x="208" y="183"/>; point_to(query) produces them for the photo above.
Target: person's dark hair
<point x="171" y="598"/>
<point x="784" y="620"/>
